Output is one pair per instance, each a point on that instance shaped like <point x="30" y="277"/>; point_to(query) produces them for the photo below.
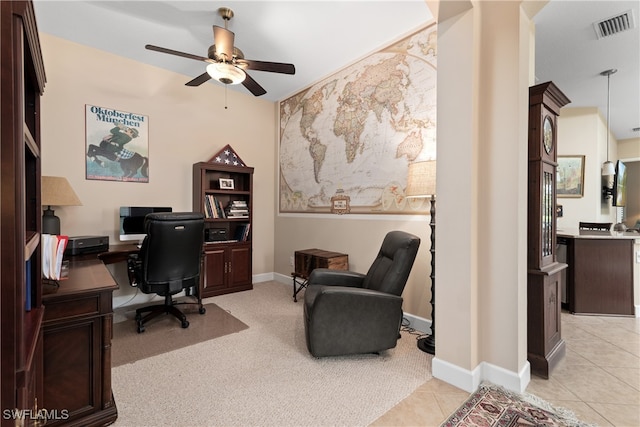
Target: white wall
<point x="186" y="125"/>
<point x="582" y="131"/>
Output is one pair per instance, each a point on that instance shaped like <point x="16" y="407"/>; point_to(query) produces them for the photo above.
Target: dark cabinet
<point x="600" y="274"/>
<point x="224" y="194"/>
<point x="226" y="269"/>
<point x="77" y="329"/>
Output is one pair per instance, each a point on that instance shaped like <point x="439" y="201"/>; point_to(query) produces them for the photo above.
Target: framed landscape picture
<point x="570" y="182"/>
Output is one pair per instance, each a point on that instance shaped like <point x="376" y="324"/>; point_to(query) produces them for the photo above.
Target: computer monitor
<point x="132" y="221"/>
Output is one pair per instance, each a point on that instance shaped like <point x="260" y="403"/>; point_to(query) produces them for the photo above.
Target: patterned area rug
<point x="492" y="405"/>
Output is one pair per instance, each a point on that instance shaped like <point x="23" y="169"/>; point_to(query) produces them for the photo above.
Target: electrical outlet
<point x="291" y="261"/>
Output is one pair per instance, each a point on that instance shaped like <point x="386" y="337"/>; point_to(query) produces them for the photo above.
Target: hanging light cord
<point x="608" y="107"/>
<point x="608" y="74"/>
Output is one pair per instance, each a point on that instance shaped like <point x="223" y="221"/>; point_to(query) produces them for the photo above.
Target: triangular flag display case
<point x="228" y="157"/>
<point x="223" y="192"/>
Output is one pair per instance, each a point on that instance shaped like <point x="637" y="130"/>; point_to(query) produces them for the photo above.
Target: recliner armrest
<point x="326" y="276"/>
<point x="352" y="297"/>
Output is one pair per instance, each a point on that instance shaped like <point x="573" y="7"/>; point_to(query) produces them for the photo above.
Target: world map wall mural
<point x="353" y="135"/>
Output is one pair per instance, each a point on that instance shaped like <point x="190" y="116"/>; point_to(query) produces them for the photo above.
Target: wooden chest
<point x="309" y="259"/>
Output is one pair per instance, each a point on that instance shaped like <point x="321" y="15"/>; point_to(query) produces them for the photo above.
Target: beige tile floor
<point x="598" y="379"/>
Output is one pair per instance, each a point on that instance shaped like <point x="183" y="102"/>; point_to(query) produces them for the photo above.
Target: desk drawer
<point x="61" y="309"/>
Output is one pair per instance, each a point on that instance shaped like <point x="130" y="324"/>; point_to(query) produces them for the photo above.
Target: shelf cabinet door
<point x="214" y="272"/>
<point x="226" y="269"/>
<point x="239" y="267"/>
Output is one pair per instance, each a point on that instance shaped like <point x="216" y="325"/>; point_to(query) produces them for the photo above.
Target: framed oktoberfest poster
<point x="117" y="145"/>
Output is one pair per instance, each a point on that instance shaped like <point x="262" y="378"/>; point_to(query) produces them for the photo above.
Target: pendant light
<point x="608" y="168"/>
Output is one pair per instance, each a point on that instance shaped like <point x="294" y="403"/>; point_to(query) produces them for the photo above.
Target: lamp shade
<point x="56" y="191"/>
<point x="421" y="181"/>
<point x="608" y="168"/>
<point x="226" y="73"/>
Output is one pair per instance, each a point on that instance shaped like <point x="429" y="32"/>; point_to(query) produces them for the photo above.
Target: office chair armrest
<point x="134" y="264"/>
<point x="325" y="276"/>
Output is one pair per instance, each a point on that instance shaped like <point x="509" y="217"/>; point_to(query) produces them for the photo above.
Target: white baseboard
<point x="418" y="323"/>
<point x="282" y="278"/>
<point x="471" y="380"/>
<point x="264" y="277"/>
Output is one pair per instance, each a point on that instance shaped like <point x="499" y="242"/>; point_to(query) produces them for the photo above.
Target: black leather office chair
<point x="349" y="313"/>
<point x="169" y="262"/>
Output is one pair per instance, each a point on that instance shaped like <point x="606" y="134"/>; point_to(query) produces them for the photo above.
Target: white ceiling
<point x="320" y="37"/>
<point x="569" y="53"/>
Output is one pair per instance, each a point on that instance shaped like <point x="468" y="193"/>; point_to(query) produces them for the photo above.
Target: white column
<point x="481" y="276"/>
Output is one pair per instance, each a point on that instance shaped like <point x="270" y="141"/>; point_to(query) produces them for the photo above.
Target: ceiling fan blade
<point x="223" y="39"/>
<point x="253" y="86"/>
<point x="177" y="53"/>
<point x="199" y="80"/>
<point x="273" y="67"/>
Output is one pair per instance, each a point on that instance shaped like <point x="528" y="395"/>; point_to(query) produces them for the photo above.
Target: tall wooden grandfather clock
<point x="545" y="346"/>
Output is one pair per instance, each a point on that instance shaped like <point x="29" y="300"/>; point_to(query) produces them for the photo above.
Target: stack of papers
<point x="52" y="251"/>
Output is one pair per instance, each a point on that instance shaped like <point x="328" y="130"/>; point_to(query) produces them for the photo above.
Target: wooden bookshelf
<point x="21" y="310"/>
<point x="224" y="194"/>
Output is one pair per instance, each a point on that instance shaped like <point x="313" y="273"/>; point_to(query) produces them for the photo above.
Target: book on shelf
<point x="213" y="207"/>
<point x="242" y="232"/>
<point x="52" y="252"/>
<point x="237" y="209"/>
<point x="208" y="211"/>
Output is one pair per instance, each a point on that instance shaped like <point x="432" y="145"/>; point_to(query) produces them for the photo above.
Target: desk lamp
<point x="421" y="183"/>
<point x="55" y="191"/>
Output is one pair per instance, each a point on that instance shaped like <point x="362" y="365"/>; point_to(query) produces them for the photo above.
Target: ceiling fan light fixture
<point x="226" y="73"/>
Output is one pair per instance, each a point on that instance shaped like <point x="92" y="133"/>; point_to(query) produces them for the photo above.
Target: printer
<point x="80" y="245"/>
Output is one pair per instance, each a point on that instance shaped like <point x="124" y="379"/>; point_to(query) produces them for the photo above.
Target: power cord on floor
<point x="404" y="327"/>
<point x="130" y="299"/>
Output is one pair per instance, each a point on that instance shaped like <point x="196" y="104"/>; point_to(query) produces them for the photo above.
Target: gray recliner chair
<point x="351" y="313"/>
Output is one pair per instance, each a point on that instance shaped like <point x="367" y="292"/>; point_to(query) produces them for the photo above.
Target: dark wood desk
<point x="78" y="325"/>
<point x="118" y="253"/>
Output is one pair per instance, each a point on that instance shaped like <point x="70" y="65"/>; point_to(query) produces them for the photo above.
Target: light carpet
<point x="264" y="375"/>
<point x="492" y="405"/>
<point x="165" y="333"/>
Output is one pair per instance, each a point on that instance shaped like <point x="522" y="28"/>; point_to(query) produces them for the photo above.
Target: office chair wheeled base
<point x="169" y="307"/>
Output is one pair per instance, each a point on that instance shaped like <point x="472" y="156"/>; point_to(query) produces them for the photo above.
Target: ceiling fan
<point x="226" y="62"/>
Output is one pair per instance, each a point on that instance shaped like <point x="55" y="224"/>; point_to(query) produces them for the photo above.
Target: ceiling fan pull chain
<point x="225" y="97"/>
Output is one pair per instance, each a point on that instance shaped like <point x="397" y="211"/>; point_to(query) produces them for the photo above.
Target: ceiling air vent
<point x="616" y="24"/>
